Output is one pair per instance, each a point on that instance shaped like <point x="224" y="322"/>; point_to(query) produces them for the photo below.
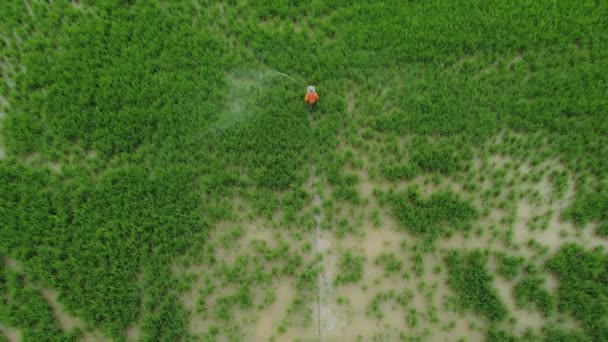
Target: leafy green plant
<point x="509" y="266"/>
<point x="22" y="306"/>
<point x="588" y="206"/>
<point x="441" y="158"/>
<point x="431" y="217"/>
<point x="396" y="172"/>
<point x="559" y="180"/>
<point x="232" y="236"/>
<point x="560" y="335"/>
<point x="374" y="308"/>
<point x="582" y="274"/>
<point x="530" y="292"/>
<point x="602" y="230"/>
<point x="350" y="268"/>
<point x="389" y="263"/>
<point x="469" y="278"/>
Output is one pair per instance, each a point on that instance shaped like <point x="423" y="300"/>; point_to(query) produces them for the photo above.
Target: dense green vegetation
<point x="472" y="282"/>
<point x="439" y="157"/>
<point x="530" y="293"/>
<point x="22" y="306"/>
<point x="583" y="288"/>
<point x="509" y="266"/>
<point x="432" y="217"/>
<point x="141" y="140"/>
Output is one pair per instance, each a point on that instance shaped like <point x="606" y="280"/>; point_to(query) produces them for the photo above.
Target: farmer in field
<point x="311" y="97"/>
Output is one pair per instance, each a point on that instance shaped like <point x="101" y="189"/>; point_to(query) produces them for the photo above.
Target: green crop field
<point x="161" y="178"/>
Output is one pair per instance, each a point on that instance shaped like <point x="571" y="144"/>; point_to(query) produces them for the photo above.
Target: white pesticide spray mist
<point x="241" y="93"/>
<point x="284" y="74"/>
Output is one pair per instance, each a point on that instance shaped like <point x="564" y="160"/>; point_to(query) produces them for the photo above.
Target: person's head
<point x="311" y="89"/>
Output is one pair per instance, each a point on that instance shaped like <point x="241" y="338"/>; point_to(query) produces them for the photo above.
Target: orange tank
<point x="311" y="98"/>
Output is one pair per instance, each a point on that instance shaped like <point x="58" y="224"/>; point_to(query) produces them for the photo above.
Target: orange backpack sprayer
<point x="311" y="97"/>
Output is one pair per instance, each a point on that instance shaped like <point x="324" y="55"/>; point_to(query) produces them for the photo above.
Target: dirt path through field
<point x="3" y="105"/>
<point x="332" y="320"/>
<point x="326" y="319"/>
<point x="316" y="202"/>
